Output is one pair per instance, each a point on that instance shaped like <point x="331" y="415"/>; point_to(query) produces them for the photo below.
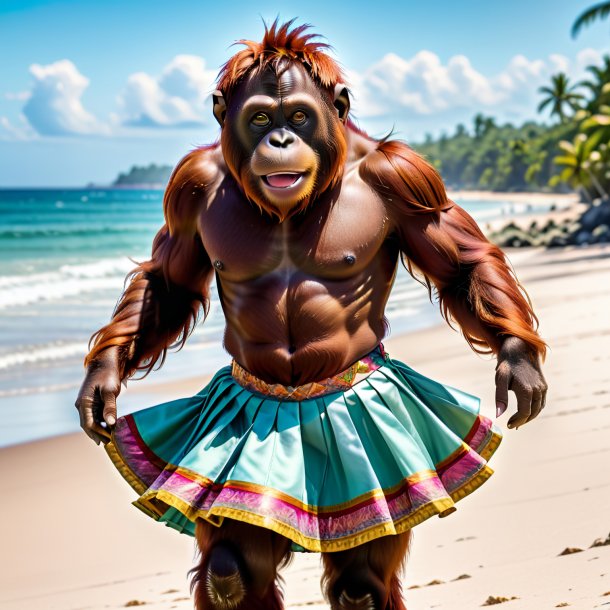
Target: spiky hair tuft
<point x="279" y="42"/>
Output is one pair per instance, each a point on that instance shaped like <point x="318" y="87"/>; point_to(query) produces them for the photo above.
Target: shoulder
<point x="200" y="168"/>
<point x="192" y="184"/>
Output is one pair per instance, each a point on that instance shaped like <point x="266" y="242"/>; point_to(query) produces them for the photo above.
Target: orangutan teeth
<point x="282" y="180"/>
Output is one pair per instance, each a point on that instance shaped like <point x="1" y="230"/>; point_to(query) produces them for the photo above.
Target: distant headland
<point x="151" y="176"/>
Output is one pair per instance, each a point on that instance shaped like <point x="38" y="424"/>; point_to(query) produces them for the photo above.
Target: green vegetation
<point x="560" y="94"/>
<point x="498" y="157"/>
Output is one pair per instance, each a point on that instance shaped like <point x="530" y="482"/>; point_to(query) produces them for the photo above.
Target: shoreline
<point x="535" y="197"/>
<point x="73" y="539"/>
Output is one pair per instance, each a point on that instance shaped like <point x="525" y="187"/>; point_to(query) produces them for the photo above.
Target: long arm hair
<point x="476" y="287"/>
<point x="165" y="295"/>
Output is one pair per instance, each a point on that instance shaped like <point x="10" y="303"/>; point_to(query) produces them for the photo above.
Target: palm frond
<point x="567" y="146"/>
<point x="544" y="104"/>
<point x="569" y="161"/>
<point x="598" y="11"/>
<point x="547" y="90"/>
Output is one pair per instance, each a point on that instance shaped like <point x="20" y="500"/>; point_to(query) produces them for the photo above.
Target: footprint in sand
<point x="135" y="602"/>
<point x="601" y="542"/>
<point x="436" y="581"/>
<point x="492" y="600"/>
<point x="462" y="577"/>
<point x="570" y="550"/>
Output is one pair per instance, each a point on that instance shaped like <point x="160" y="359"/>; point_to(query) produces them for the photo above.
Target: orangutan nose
<point x="280" y="138"/>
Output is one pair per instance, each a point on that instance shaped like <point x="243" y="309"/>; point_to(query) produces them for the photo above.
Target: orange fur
<point x="378" y="562"/>
<point x="165" y="295"/>
<point x="475" y="284"/>
<point x="279" y="41"/>
<point x="263" y="552"/>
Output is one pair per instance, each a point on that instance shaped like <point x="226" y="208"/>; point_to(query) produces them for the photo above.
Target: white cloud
<point x="176" y="98"/>
<point x="423" y="86"/>
<point x="54" y="107"/>
<point x="559" y="63"/>
<point x="16" y="132"/>
<point x="587" y="57"/>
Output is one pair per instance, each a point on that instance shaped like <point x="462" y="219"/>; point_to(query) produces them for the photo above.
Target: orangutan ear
<point x="341" y="101"/>
<point x="220" y="107"/>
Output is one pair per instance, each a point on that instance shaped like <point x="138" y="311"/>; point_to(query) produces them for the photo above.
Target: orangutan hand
<point x="518" y="369"/>
<point x="96" y="402"/>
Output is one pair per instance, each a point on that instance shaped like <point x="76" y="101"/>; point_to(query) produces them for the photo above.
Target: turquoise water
<point x="64" y="255"/>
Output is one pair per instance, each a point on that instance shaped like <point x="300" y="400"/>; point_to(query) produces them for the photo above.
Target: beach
<point x="72" y="540"/>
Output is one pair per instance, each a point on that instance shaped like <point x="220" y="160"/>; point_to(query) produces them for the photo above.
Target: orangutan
<point x="314" y="438"/>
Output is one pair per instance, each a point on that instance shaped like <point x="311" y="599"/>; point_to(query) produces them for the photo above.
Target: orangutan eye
<point x="260" y="119"/>
<point x="299" y="117"/>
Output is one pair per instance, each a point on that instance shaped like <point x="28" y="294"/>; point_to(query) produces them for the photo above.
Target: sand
<point x="526" y="208"/>
<point x="71" y="539"/>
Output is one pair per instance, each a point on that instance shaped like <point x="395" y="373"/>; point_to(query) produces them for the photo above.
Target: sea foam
<point x="68" y="280"/>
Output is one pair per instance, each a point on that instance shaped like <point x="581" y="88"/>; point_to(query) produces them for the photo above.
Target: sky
<point x="88" y="89"/>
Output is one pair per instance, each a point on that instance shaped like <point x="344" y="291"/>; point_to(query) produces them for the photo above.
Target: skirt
<point x="329" y="471"/>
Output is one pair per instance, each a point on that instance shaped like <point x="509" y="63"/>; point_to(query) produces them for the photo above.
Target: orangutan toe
<point x="362" y="602"/>
<point x="224" y="581"/>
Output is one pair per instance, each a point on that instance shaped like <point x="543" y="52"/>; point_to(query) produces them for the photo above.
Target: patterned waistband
<point x="337" y="383"/>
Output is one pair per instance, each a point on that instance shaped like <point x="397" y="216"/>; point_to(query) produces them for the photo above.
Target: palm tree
<point x="560" y="94"/>
<point x="598" y="11"/>
<point x="482" y="124"/>
<point x="577" y="159"/>
<point x="598" y="84"/>
<point x="598" y="127"/>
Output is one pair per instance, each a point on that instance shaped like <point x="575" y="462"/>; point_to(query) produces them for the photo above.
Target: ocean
<point x="64" y="255"/>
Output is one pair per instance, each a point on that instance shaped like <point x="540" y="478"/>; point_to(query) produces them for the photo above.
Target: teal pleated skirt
<point x="329" y="473"/>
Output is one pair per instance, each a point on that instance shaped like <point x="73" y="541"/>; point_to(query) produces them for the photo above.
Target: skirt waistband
<point x="337" y="383"/>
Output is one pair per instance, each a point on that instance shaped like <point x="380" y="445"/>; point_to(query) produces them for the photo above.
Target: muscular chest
<point x="335" y="238"/>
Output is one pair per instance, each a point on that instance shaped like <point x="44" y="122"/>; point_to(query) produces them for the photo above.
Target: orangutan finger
<point x="524" y="407"/>
<point x="83" y="405"/>
<point x="536" y="405"/>
<point x="109" y="413"/>
<point x="502" y="381"/>
<point x="92" y="429"/>
<point x="543" y="398"/>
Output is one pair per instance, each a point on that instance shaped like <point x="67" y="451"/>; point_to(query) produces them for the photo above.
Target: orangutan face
<point x="283" y="138"/>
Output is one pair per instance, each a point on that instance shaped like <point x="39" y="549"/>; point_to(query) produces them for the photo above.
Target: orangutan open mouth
<point x="282" y="180"/>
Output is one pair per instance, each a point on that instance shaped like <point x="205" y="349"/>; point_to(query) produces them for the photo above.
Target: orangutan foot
<point x="363" y="602"/>
<point x="359" y="590"/>
<point x="224" y="580"/>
